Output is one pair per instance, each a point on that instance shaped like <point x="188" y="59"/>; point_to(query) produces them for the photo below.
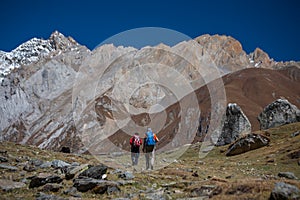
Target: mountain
<point x="57" y="93"/>
<point x="253" y="89"/>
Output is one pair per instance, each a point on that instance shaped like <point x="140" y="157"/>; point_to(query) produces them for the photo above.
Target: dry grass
<point x="251" y="175"/>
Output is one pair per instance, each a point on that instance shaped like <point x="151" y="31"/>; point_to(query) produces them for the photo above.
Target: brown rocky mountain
<point x="254" y="88"/>
<point x="58" y="93"/>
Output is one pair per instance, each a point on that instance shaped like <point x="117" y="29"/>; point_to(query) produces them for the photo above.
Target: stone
<point x="29" y="167"/>
<point x="288" y="175"/>
<point x="72" y="192"/>
<point x="206" y="190"/>
<point x="9" y="167"/>
<point x="43" y="196"/>
<point x="72" y="171"/>
<point x="112" y="190"/>
<point x="295" y="134"/>
<point x="247" y="143"/>
<point x="235" y="123"/>
<point x="3" y="159"/>
<point x="51" y="187"/>
<point x="59" y="164"/>
<point x="294" y="154"/>
<point x="85" y="184"/>
<point x="284" y="191"/>
<point x="36" y="162"/>
<point x="95" y="172"/>
<point x="43" y="179"/>
<point x="7" y="185"/>
<point x="278" y="113"/>
<point x="126" y="175"/>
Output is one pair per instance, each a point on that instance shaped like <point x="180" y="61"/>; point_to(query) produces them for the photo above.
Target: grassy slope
<point x="245" y="176"/>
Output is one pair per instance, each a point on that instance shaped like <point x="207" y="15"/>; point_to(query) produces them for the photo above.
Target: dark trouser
<point x="150" y="156"/>
<point x="135" y="153"/>
<point x="135" y="158"/>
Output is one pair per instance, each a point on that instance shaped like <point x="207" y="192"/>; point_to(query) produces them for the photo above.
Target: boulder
<point x="126" y="175"/>
<point x="278" y="113"/>
<point x="7" y="185"/>
<point x="284" y="191"/>
<point x="52" y="187"/>
<point x="29" y="167"/>
<point x="55" y="164"/>
<point x="72" y="192"/>
<point x="43" y="196"/>
<point x="3" y="159"/>
<point x="206" y="190"/>
<point x="43" y="179"/>
<point x="95" y="172"/>
<point x="294" y="154"/>
<point x="288" y="175"/>
<point x="9" y="167"/>
<point x="85" y="184"/>
<point x="72" y="171"/>
<point x="235" y="122"/>
<point x="247" y="143"/>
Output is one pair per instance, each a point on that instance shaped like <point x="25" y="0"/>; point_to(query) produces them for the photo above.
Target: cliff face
<point x="57" y="92"/>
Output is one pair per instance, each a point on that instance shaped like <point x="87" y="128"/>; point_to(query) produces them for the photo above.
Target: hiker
<point x="135" y="142"/>
<point x="149" y="148"/>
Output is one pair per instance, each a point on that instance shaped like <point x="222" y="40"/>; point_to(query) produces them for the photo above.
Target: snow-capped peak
<point x="33" y="50"/>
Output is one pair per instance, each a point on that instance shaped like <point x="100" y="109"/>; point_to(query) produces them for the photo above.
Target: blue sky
<point x="274" y="26"/>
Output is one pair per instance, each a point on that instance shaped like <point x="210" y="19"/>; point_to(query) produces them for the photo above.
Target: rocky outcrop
<point x="43" y="179"/>
<point x="234" y="124"/>
<point x="278" y="113"/>
<point x="284" y="191"/>
<point x="247" y="143"/>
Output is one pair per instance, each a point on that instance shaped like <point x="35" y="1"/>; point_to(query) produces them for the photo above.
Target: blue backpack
<point x="150" y="138"/>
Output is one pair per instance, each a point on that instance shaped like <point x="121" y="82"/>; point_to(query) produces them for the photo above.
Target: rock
<point x="8" y="167"/>
<point x="95" y="172"/>
<point x="108" y="189"/>
<point x="7" y="185"/>
<point x="72" y="192"/>
<point x="59" y="164"/>
<point x="239" y="189"/>
<point x="126" y="176"/>
<point x="46" y="164"/>
<point x="247" y="143"/>
<point x="72" y="171"/>
<point x="284" y="191"/>
<point x="65" y="150"/>
<point x="235" y="122"/>
<point x="294" y="154"/>
<point x="206" y="190"/>
<point x="278" y="113"/>
<point x="43" y="179"/>
<point x="43" y="196"/>
<point x="85" y="184"/>
<point x="288" y="175"/>
<point x="295" y="134"/>
<point x="36" y="162"/>
<point x="51" y="187"/>
<point x="3" y="159"/>
<point x="29" y="167"/>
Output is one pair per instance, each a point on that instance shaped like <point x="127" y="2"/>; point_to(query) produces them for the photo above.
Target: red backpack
<point x="136" y="141"/>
